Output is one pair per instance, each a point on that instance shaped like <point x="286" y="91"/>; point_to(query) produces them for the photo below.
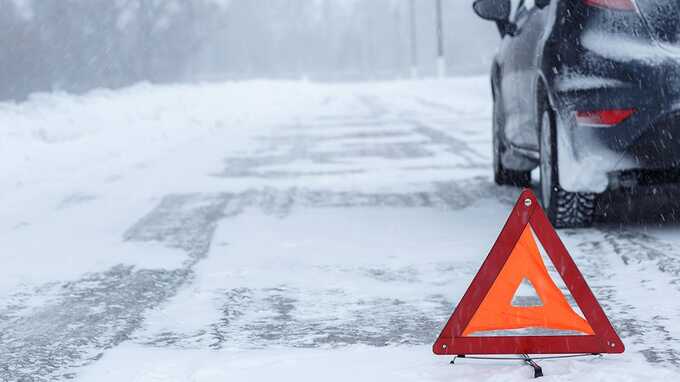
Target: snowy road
<point x="252" y="231"/>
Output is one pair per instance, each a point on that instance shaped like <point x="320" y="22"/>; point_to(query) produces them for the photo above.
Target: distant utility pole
<point x="414" y="40"/>
<point x="441" y="59"/>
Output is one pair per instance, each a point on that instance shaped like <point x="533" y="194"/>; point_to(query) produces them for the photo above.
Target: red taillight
<point x="619" y="5"/>
<point x="603" y="118"/>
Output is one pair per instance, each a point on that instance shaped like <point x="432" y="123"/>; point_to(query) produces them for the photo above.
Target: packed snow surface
<point x="280" y="230"/>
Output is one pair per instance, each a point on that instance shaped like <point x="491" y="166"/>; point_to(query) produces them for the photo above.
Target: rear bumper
<point x="590" y="158"/>
<point x="595" y="159"/>
<point x="658" y="147"/>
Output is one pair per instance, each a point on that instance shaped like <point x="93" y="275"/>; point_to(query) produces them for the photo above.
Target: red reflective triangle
<point x="455" y="339"/>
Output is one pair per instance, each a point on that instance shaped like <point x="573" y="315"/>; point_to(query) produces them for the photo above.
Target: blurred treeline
<point x="75" y="45"/>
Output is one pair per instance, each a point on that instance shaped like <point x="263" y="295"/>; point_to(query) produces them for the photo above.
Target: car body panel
<point x="586" y="58"/>
<point x="520" y="74"/>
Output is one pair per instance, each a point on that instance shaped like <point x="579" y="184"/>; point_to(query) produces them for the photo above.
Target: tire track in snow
<point x="346" y="157"/>
<point x="459" y="147"/>
<point x="260" y="318"/>
<point x="83" y="318"/>
<point x="628" y="270"/>
<point x="280" y="316"/>
<point x="455" y="145"/>
<point x="453" y="195"/>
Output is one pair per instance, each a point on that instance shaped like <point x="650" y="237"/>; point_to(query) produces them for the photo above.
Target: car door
<point x="524" y="64"/>
<point x="508" y="64"/>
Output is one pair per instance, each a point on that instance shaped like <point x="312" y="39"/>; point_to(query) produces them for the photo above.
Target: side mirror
<point x="493" y="10"/>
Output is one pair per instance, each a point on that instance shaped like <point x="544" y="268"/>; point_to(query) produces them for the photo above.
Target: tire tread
<point x="574" y="209"/>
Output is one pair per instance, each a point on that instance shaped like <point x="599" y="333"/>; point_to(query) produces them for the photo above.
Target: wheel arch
<point x="544" y="95"/>
<point x="543" y="90"/>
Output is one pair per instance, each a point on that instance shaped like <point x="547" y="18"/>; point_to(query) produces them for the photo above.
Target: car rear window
<point x="663" y="17"/>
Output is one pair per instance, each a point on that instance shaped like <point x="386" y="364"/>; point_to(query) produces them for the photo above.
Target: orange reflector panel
<point x="497" y="312"/>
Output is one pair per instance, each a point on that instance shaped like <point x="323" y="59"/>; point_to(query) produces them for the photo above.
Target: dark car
<point x="588" y="91"/>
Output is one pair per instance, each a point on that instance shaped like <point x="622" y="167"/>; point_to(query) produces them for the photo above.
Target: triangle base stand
<point x="538" y="371"/>
<point x="526" y="359"/>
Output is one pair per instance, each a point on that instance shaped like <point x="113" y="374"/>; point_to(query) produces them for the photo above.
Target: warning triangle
<point x="487" y="305"/>
<point x="497" y="312"/>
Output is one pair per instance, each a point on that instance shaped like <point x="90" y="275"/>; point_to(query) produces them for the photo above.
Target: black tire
<point x="564" y="209"/>
<point x="501" y="175"/>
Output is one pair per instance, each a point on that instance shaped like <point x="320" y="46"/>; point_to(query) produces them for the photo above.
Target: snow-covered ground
<point x="270" y="230"/>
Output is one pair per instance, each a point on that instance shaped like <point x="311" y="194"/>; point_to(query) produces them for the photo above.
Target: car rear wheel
<point x="564" y="209"/>
<point x="501" y="175"/>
